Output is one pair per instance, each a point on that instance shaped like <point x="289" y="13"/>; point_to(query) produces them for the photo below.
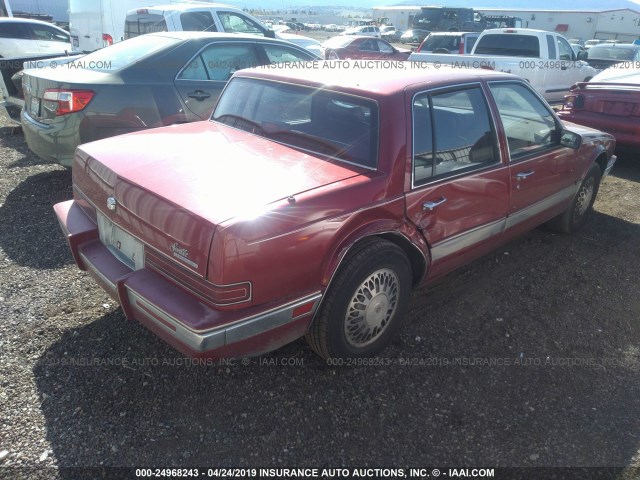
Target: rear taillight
<point x="107" y="40"/>
<point x="420" y="47"/>
<point x="67" y="101"/>
<point x="573" y="102"/>
<point x="461" y="48"/>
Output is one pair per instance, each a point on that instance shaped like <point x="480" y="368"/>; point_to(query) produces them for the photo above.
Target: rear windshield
<point x="511" y="45"/>
<point x="338" y="41"/>
<point x="315" y="121"/>
<point x="448" y="42"/>
<point x="136" y="25"/>
<point x="611" y="53"/>
<point x="125" y="53"/>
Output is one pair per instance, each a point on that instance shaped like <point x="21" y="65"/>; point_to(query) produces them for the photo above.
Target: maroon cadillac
<point x="316" y="198"/>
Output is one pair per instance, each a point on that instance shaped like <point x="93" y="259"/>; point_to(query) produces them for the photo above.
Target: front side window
<point x="49" y="34"/>
<point x="565" y="52"/>
<point x="235" y="23"/>
<point x="369" y="46"/>
<point x="452" y="134"/>
<point x="280" y="54"/>
<point x="219" y="61"/>
<point x="529" y="125"/>
<point x="320" y="122"/>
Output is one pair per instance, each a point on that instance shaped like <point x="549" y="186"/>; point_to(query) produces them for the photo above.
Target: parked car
<point x="316" y="199"/>
<point x="202" y="17"/>
<point x="21" y="37"/>
<point x="149" y="81"/>
<point x="449" y="42"/>
<point x="609" y="102"/>
<point x="590" y="43"/>
<point x="368" y="48"/>
<point x="284" y="33"/>
<point x="414" y="35"/>
<point x="363" y="30"/>
<point x="606" y="54"/>
<point x="392" y="36"/>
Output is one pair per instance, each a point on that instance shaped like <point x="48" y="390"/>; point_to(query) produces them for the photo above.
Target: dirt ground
<point x="528" y="357"/>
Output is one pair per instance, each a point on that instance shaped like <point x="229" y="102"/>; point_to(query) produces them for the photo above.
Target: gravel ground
<point x="527" y="357"/>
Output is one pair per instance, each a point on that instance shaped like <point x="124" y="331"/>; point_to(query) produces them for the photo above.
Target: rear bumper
<point x="55" y="142"/>
<point x="173" y="313"/>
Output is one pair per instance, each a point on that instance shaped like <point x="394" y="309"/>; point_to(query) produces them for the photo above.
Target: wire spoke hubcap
<point x="584" y="199"/>
<point x="371" y="308"/>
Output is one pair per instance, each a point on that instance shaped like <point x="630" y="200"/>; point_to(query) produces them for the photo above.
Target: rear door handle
<point x="431" y="205"/>
<point x="199" y="95"/>
<point x="523" y="175"/>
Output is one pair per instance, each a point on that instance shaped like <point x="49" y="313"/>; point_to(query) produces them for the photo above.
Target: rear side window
<point x="452" y="134"/>
<point x="197" y="22"/>
<point x="15" y="30"/>
<point x="136" y="25"/>
<point x="512" y="45"/>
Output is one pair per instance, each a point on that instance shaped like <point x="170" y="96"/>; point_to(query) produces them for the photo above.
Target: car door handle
<point x="563" y="68"/>
<point x="525" y="174"/>
<point x="431" y="205"/>
<point x="199" y="95"/>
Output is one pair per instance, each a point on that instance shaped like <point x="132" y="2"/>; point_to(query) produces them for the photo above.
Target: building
<point x="57" y="9"/>
<point x="620" y="24"/>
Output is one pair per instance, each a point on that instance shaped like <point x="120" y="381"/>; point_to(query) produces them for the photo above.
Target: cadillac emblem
<point x="111" y="203"/>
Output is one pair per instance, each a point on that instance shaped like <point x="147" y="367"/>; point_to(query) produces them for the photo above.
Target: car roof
<point x="626" y="46"/>
<point x="378" y="80"/>
<point x="187" y="35"/>
<point x="185" y="6"/>
<point x="452" y="34"/>
<point x="26" y="20"/>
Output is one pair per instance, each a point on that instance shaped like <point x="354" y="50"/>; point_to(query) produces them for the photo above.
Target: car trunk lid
<point x="178" y="183"/>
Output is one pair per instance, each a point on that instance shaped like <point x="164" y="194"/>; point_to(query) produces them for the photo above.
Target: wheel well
<point x="602" y="162"/>
<point x="416" y="258"/>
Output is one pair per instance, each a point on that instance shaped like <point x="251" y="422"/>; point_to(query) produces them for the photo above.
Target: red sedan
<point x="316" y="198"/>
<point x="609" y="102"/>
<point x="361" y="48"/>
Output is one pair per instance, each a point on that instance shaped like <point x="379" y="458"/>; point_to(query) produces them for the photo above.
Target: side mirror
<point x="570" y="139"/>
<point x="583" y="55"/>
<point x="270" y="33"/>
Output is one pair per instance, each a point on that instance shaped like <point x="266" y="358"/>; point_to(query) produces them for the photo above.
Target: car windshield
<point x="315" y="121"/>
<point x="603" y="52"/>
<point x="122" y="54"/>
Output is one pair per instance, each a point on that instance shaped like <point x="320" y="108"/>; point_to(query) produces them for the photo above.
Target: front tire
<point x="365" y="303"/>
<point x="574" y="217"/>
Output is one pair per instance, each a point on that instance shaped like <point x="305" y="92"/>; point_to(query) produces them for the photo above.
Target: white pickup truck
<point x="545" y="59"/>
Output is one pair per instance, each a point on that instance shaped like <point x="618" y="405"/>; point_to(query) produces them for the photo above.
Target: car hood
<point x="176" y="184"/>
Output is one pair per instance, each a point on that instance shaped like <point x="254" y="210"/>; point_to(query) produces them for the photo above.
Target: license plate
<point x="34" y="107"/>
<point x="125" y="247"/>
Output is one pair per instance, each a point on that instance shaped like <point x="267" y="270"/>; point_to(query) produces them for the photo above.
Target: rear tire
<point x="574" y="217"/>
<point x="365" y="303"/>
